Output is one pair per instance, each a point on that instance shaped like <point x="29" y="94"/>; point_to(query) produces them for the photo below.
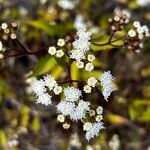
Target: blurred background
<point x="24" y="125"/>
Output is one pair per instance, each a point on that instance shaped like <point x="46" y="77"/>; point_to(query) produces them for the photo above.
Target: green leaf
<point x="139" y="110"/>
<point x="44" y="65"/>
<point x="24" y="116"/>
<point x="74" y="71"/>
<point x="51" y="29"/>
<point x="61" y="62"/>
<point x="35" y="124"/>
<point x="3" y="139"/>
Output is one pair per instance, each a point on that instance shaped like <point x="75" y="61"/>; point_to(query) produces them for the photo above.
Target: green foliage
<point x="44" y="65"/>
<point x="139" y="110"/>
<point x="3" y="139"/>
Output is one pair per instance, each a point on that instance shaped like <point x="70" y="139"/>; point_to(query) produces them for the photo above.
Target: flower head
<point x="65" y="108"/>
<point x="61" y="118"/>
<point x="72" y="94"/>
<point x="87" y="126"/>
<point x="52" y="50"/>
<point x="50" y="82"/>
<point x="38" y="87"/>
<point x="92" y="81"/>
<point x="106" y="80"/>
<point x="44" y="99"/>
<point x="94" y="130"/>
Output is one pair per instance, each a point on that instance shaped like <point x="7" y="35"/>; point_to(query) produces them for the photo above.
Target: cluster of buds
<point x="58" y="53"/>
<point x="120" y="19"/>
<point x="8" y="31"/>
<point x="134" y="38"/>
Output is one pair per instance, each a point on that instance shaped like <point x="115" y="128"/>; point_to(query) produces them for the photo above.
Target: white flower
<point x="65" y="108"/>
<point x="77" y="55"/>
<point x="66" y="4"/>
<point x="87" y="89"/>
<point x="61" y="42"/>
<point x="66" y="125"/>
<point x="38" y="87"/>
<point x="99" y="110"/>
<point x="80" y="111"/>
<point x="80" y="64"/>
<point x="77" y="114"/>
<point x="136" y="24"/>
<point x="89" y="67"/>
<point x="50" y="82"/>
<point x="114" y="143"/>
<point x="87" y="126"/>
<point x="52" y="50"/>
<point x="13" y="36"/>
<point x="92" y="81"/>
<point x="143" y="2"/>
<point x="94" y="130"/>
<point x="57" y="90"/>
<point x="79" y="21"/>
<point x="132" y="33"/>
<point x="4" y="26"/>
<point x="1" y="56"/>
<point x="99" y="118"/>
<point x="44" y="99"/>
<point x="72" y="94"/>
<point x="84" y="105"/>
<point x="83" y="41"/>
<point x="61" y="118"/>
<point x="1" y="46"/>
<point x="91" y="113"/>
<point x="106" y="80"/>
<point x="117" y="18"/>
<point x="91" y="58"/>
<point x="59" y="53"/>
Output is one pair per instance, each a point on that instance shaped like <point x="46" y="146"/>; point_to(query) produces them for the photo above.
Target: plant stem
<point x="71" y="81"/>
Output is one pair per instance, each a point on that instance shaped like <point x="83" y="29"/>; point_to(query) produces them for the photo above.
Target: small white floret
<point x="59" y="53"/>
<point x="57" y="90"/>
<point x="61" y="42"/>
<point x="92" y="81"/>
<point x="89" y="67"/>
<point x="87" y="89"/>
<point x="61" y="118"/>
<point x="52" y="50"/>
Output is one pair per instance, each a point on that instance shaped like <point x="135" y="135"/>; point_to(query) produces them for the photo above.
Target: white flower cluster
<point x="124" y="12"/>
<point x="40" y="87"/>
<point x="66" y="4"/>
<point x="143" y="2"/>
<point x="93" y="129"/>
<point x="58" y="53"/>
<point x="81" y="47"/>
<point x="90" y="83"/>
<point x="139" y="31"/>
<point x="72" y="105"/>
<point x="106" y="80"/>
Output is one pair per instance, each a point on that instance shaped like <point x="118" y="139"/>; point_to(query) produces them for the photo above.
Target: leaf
<point x="74" y="71"/>
<point x="44" y="65"/>
<point x="3" y="139"/>
<point x="56" y="72"/>
<point x="116" y="119"/>
<point x="24" y="116"/>
<point x="94" y="73"/>
<point x="61" y="61"/>
<point x="140" y="110"/>
<point x="35" y="124"/>
<point x="51" y="29"/>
